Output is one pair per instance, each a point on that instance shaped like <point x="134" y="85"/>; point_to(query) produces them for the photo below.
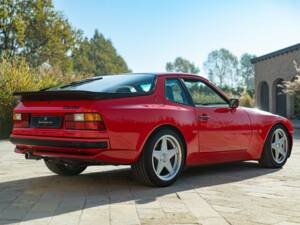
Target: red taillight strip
<point x="21" y="120"/>
<point x="84" y="121"/>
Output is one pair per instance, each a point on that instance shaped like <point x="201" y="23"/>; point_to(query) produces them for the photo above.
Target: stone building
<point x="270" y="70"/>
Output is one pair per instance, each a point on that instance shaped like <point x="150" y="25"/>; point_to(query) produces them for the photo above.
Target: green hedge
<point x="16" y="75"/>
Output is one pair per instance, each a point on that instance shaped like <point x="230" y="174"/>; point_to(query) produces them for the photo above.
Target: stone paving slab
<point x="236" y="194"/>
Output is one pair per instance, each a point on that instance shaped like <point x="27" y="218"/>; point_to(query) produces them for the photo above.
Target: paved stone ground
<point x="238" y="194"/>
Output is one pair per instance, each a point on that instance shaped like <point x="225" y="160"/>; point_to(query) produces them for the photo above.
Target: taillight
<point x="84" y="121"/>
<point x="21" y="120"/>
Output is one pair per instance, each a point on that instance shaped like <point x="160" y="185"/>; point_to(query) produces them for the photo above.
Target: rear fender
<point x="190" y="141"/>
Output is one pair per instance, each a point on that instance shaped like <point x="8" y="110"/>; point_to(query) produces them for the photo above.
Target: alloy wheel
<point x="166" y="157"/>
<point x="279" y="146"/>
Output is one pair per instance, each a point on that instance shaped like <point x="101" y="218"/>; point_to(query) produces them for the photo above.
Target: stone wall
<point x="272" y="69"/>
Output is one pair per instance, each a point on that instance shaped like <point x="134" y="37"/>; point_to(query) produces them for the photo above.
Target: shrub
<point x="15" y="76"/>
<point x="246" y="96"/>
<point x="246" y="100"/>
<point x="292" y="88"/>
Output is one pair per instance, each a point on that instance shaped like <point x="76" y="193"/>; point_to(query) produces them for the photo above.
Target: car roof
<point x="175" y="74"/>
<point x="180" y="74"/>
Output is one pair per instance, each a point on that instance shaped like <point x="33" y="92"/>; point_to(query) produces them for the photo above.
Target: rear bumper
<point x="73" y="148"/>
<point x="59" y="143"/>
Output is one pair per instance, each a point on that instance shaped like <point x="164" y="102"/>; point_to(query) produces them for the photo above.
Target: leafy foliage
<point x="246" y="99"/>
<point x="202" y="94"/>
<point x="182" y="65"/>
<point x="237" y="91"/>
<point x="222" y="67"/>
<point x="98" y="56"/>
<point x="16" y="75"/>
<point x="38" y="48"/>
<point x="34" y="30"/>
<point x="246" y="96"/>
<point x="293" y="88"/>
<point x="246" y="71"/>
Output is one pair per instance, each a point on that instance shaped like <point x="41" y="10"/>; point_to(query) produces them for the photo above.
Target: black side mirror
<point x="234" y="103"/>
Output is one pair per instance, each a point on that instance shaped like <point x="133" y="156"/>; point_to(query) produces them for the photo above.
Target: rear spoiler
<point x="72" y="95"/>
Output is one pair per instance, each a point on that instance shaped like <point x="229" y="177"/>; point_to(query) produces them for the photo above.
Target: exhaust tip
<point x="28" y="155"/>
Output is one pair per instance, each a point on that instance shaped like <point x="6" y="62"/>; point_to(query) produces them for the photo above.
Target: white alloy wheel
<point x="279" y="145"/>
<point x="166" y="157"/>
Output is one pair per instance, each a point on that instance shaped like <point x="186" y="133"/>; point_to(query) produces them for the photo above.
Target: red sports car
<point x="157" y="123"/>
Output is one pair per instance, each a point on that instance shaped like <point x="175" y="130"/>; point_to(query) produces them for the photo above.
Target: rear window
<point x="124" y="83"/>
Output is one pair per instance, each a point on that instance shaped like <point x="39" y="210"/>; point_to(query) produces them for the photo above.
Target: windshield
<point x="124" y="83"/>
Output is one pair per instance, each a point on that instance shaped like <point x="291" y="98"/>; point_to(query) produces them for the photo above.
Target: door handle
<point x="203" y="117"/>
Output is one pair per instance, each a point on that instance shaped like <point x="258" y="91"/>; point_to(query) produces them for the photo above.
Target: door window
<point x="175" y="92"/>
<point x="203" y="95"/>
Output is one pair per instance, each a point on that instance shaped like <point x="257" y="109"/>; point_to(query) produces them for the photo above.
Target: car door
<point x="220" y="127"/>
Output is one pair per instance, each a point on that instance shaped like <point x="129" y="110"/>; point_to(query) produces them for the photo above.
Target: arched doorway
<point x="264" y="96"/>
<point x="280" y="98"/>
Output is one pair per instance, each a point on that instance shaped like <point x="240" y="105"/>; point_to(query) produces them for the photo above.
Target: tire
<point x="163" y="152"/>
<point x="64" y="169"/>
<point x="276" y="153"/>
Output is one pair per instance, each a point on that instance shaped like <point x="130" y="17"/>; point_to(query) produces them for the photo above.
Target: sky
<point x="150" y="33"/>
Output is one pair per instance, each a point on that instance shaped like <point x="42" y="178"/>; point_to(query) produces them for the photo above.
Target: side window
<point x="174" y="91"/>
<point x="203" y="95"/>
<point x="145" y="87"/>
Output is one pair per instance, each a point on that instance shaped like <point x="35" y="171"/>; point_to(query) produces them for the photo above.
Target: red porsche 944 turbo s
<point x="157" y="123"/>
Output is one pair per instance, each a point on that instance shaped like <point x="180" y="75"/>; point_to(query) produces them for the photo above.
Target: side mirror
<point x="234" y="103"/>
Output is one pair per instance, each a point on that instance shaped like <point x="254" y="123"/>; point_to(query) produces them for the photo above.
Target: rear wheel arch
<point x="166" y="127"/>
<point x="144" y="168"/>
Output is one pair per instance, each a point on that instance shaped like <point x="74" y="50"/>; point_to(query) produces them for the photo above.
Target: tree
<point x="98" y="56"/>
<point x="33" y="29"/>
<point x="222" y="67"/>
<point x="246" y="71"/>
<point x="293" y="88"/>
<point x="182" y="65"/>
<point x="12" y="26"/>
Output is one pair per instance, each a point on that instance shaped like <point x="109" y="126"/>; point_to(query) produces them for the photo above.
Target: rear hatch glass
<point x="99" y="87"/>
<point x="124" y="83"/>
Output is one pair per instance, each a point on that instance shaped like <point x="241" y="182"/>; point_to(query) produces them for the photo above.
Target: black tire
<point x="64" y="169"/>
<point x="267" y="159"/>
<point x="143" y="170"/>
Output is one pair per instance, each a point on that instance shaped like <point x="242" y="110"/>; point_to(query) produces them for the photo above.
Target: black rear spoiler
<point x="71" y="95"/>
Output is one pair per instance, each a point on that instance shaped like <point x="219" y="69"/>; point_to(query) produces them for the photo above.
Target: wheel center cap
<point x="163" y="157"/>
